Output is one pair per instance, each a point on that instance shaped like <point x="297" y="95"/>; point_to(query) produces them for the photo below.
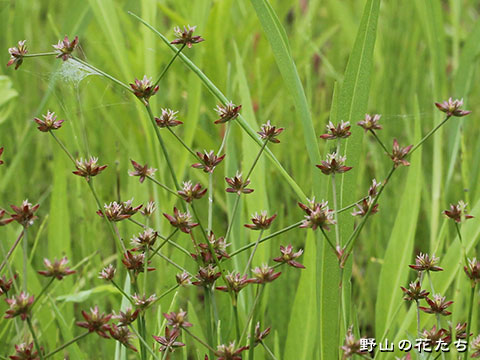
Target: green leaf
<point x="220" y="96"/>
<point x="82" y="296"/>
<point x="400" y="246"/>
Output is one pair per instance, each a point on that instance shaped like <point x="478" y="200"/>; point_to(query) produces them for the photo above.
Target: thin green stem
<point x="62" y="145"/>
<point x="418" y="319"/>
<point x="335" y="207"/>
<point x="250" y="315"/>
<point x="143" y="342"/>
<point x="237" y="320"/>
<point x="328" y="240"/>
<point x="122" y="292"/>
<point x="379" y="141"/>
<point x="250" y="259"/>
<point x="35" y="340"/>
<point x="114" y="232"/>
<point x="234" y="213"/>
<point x="25" y="259"/>
<point x="428" y="135"/>
<point x="256" y="159"/>
<point x="211" y="349"/>
<point x="161" y="245"/>
<point x="461" y="243"/>
<point x="469" y="320"/>
<point x="208" y="315"/>
<point x="353" y="237"/>
<point x="173" y="288"/>
<point x="162" y="145"/>
<point x="225" y="137"/>
<point x="10" y="252"/>
<point x="267" y="349"/>
<point x="164" y="186"/>
<point x="268" y="237"/>
<point x="210" y="202"/>
<point x="169" y="64"/>
<point x="184" y="144"/>
<point x="104" y="74"/>
<point x="50" y="53"/>
<point x="37" y="299"/>
<point x="174" y="263"/>
<point x="251" y="350"/>
<point x="67" y="344"/>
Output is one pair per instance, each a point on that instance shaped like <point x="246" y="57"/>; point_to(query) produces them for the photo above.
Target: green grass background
<point x="283" y="68"/>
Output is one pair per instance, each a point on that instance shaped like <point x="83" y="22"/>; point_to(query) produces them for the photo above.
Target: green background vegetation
<point x="425" y="51"/>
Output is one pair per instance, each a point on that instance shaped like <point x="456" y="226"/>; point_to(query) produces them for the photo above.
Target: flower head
<point x="25" y="351"/>
<point x="289" y="256"/>
<point x="208" y="161"/>
<point x="186" y="37"/>
<point x="238" y="184"/>
<point x="260" y="335"/>
<point x="476" y="347"/>
<point x="119" y="211"/>
<point x="228" y="112"/>
<point x="364" y="206"/>
<point x="423" y="262"/>
<point x="142" y="302"/>
<point x="88" y="168"/>
<point x="373" y="190"/>
<point x="17" y="54"/>
<point x="457" y="212"/>
<point x="144" y="240"/>
<point x="108" y="273"/>
<point x="183" y="279"/>
<point x="264" y="274"/>
<point x="434" y="336"/>
<point x="127" y="317"/>
<point x="180" y="220"/>
<point x="398" y="154"/>
<point x="235" y="282"/>
<point x="4" y="221"/>
<point x="49" y="122"/>
<point x="452" y="107"/>
<point x="437" y="306"/>
<point x="135" y="262"/>
<point x="341" y="131"/>
<point x="473" y="270"/>
<point x="460" y="332"/>
<point x="229" y="352"/>
<point x="122" y="335"/>
<point x="5" y="285"/>
<point x="334" y="163"/>
<point x="207" y="275"/>
<point x="191" y="192"/>
<point x="177" y="319"/>
<point x="19" y="305"/>
<point x="317" y="215"/>
<point x="414" y="292"/>
<point x="268" y="132"/>
<point x="149" y="209"/>
<point x="168" y="341"/>
<point x="1" y="152"/>
<point x="370" y="122"/>
<point x="58" y="269"/>
<point x="25" y="214"/>
<point x="65" y="48"/>
<point x="351" y="346"/>
<point x="141" y="171"/>
<point x="168" y="119"/>
<point x="218" y="246"/>
<point x="144" y="89"/>
<point x="261" y="221"/>
<point x="96" y="322"/>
